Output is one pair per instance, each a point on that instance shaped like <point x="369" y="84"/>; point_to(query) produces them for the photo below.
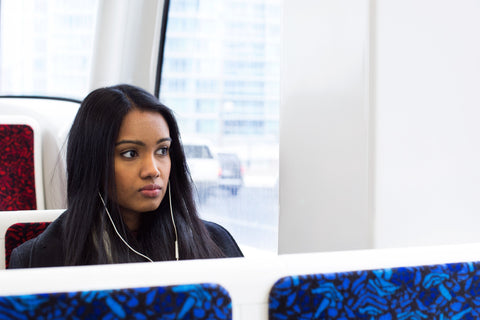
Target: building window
<point x="223" y="57"/>
<point x="46" y="47"/>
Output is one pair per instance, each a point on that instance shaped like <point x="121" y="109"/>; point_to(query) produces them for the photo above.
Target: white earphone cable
<point x="116" y="231"/>
<point x="177" y="256"/>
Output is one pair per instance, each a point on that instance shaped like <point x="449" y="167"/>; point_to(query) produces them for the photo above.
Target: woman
<point x="129" y="191"/>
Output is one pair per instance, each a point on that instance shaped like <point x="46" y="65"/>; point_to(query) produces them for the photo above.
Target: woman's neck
<point x="131" y="219"/>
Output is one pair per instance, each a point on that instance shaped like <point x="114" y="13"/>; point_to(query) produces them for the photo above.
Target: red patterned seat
<point x="18" y="233"/>
<point x="17" y="169"/>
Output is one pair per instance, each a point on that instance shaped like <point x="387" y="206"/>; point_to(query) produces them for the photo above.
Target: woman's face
<point x="142" y="163"/>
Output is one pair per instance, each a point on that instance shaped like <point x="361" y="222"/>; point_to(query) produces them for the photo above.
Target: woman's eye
<point x="163" y="151"/>
<point x="129" y="154"/>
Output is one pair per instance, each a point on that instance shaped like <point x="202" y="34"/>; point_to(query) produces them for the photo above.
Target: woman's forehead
<point x="149" y="125"/>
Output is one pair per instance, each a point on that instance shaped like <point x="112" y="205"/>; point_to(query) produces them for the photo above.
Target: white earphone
<point x="177" y="255"/>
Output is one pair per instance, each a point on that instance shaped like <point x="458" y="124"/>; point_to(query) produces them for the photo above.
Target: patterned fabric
<point x="198" y="301"/>
<point x="437" y="292"/>
<point x="18" y="233"/>
<point x="17" y="173"/>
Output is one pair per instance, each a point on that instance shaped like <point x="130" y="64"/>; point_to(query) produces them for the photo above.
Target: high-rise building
<point x="221" y="74"/>
<point x="46" y="47"/>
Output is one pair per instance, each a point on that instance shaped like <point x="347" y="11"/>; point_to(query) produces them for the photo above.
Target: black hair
<point x="88" y="235"/>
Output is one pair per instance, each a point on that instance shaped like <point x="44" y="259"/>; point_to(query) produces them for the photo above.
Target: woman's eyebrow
<point x="137" y="142"/>
<point x="140" y="143"/>
<point x="164" y="139"/>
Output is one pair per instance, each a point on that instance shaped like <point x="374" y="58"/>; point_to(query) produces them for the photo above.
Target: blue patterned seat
<point x="448" y="291"/>
<point x="197" y="301"/>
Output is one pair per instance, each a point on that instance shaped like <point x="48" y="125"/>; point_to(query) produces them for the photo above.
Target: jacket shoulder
<point x="20" y="256"/>
<point x="223" y="239"/>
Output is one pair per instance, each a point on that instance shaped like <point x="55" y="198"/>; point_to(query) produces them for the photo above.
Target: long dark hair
<point x="89" y="237"/>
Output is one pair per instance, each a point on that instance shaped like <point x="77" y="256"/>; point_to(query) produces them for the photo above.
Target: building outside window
<point x="46" y="47"/>
<point x="232" y="50"/>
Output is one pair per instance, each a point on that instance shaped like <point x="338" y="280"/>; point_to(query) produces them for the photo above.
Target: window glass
<point x="221" y="76"/>
<point x="46" y="46"/>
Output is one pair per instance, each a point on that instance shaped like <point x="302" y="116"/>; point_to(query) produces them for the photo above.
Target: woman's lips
<point x="151" y="190"/>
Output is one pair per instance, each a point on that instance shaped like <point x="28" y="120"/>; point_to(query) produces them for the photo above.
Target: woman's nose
<point x="150" y="168"/>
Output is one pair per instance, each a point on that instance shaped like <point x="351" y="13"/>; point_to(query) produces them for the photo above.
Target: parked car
<point x="204" y="166"/>
<point x="231" y="177"/>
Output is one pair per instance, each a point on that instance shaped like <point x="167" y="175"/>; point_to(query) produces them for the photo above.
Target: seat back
<point x="20" y="232"/>
<point x="446" y="291"/>
<point x="21" y="179"/>
<point x="50" y="120"/>
<point x="195" y="301"/>
<point x="337" y="289"/>
<point x="22" y="228"/>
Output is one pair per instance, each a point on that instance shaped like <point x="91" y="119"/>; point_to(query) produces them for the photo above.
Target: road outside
<point x="251" y="216"/>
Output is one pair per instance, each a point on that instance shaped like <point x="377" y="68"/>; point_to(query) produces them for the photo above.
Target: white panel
<point x="324" y="168"/>
<point x="126" y="43"/>
<point x="427" y="133"/>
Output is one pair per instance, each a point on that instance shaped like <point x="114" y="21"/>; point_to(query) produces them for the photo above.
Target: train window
<point x="221" y="76"/>
<point x="46" y="47"/>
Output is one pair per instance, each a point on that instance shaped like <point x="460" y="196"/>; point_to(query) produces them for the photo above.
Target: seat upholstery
<point x="195" y="301"/>
<point x="447" y="291"/>
<point x="17" y="169"/>
<point x="18" y="233"/>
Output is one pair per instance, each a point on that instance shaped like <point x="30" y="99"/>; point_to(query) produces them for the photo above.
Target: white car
<point x="231" y="177"/>
<point x="204" y="166"/>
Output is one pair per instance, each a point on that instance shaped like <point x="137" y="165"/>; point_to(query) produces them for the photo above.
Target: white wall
<point x="380" y="134"/>
<point x="427" y="102"/>
<point x="324" y="127"/>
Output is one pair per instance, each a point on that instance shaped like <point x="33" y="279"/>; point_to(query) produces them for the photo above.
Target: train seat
<point x="18" y="235"/>
<point x="50" y="120"/>
<point x="20" y="232"/>
<point x="192" y="301"/>
<point x="443" y="291"/>
<point x="440" y="282"/>
<point x="21" y="177"/>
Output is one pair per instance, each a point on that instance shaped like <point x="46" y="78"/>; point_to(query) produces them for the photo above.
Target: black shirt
<point x="46" y="250"/>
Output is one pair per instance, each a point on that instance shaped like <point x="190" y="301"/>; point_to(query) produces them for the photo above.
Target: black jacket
<point x="46" y="250"/>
